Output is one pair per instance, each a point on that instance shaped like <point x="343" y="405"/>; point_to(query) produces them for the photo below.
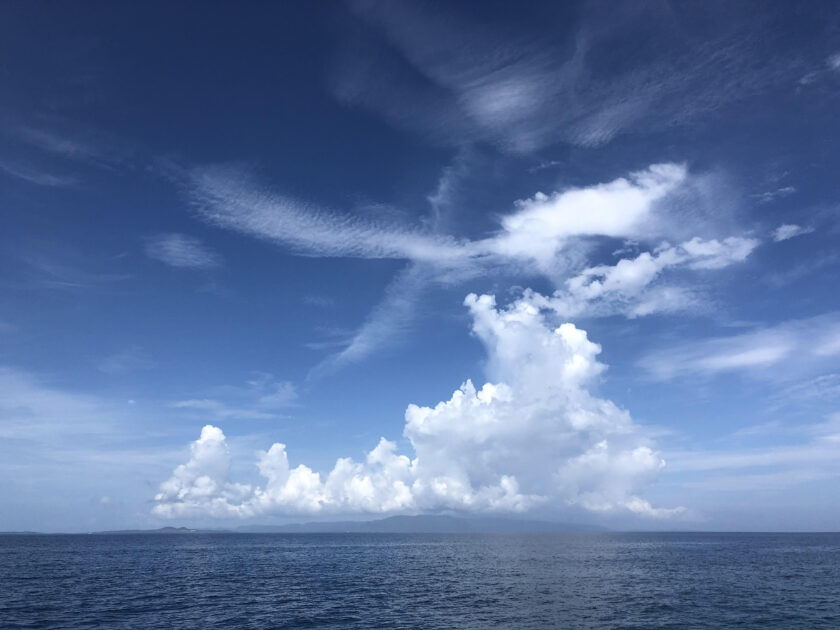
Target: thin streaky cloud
<point x="522" y="91"/>
<point x="52" y="142"/>
<point x="221" y="411"/>
<point x="37" y="177"/>
<point x="230" y="199"/>
<point x="180" y="250"/>
<point x="260" y="398"/>
<point x="68" y="270"/>
<point x="773" y="195"/>
<point x="125" y="361"/>
<point x="391" y="318"/>
<point x="782" y="352"/>
<point x="809" y="452"/>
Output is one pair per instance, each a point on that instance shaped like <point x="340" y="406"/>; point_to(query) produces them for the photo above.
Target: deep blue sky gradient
<point x="105" y="105"/>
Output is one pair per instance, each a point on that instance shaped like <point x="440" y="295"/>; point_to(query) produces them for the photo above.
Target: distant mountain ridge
<point x="421" y="524"/>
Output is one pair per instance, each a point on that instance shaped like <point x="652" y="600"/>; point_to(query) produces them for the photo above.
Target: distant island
<point x="421" y="524"/>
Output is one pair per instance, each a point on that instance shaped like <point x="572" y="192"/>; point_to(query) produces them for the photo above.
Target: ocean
<point x="414" y="581"/>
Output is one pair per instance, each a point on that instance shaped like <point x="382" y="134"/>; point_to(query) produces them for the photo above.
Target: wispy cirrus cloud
<point x="781" y="352"/>
<point x="230" y="198"/>
<point x="388" y="320"/>
<point x="37" y="177"/>
<point x="61" y="139"/>
<point x="32" y="410"/>
<point x="808" y="453"/>
<point x="522" y="89"/>
<point x="773" y="195"/>
<point x="54" y="267"/>
<point x="205" y="407"/>
<point x="547" y="234"/>
<point x="825" y="386"/>
<point x="535" y="231"/>
<point x="830" y="67"/>
<point x="124" y="361"/>
<point x="67" y="445"/>
<point x="181" y="250"/>
<point x="57" y="143"/>
<point x="261" y="398"/>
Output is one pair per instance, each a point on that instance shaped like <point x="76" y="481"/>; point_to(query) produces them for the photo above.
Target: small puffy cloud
<point x="180" y="250"/>
<point x="790" y="230"/>
<point x="715" y="254"/>
<point x="533" y="435"/>
<point x="630" y="286"/>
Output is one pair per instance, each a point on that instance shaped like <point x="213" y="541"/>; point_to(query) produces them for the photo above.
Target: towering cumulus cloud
<point x="533" y="435"/>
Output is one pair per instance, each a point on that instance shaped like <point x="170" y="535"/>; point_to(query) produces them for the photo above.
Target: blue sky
<point x="344" y="260"/>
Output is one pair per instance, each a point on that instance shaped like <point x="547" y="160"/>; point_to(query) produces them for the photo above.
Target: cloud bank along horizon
<point x="534" y="434"/>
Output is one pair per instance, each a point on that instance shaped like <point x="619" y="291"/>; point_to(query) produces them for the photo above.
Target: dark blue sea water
<point x="369" y="581"/>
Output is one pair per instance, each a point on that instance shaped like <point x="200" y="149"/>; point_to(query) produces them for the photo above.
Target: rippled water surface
<point x="421" y="581"/>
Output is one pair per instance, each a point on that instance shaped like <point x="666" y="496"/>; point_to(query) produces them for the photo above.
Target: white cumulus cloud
<point x="533" y="435"/>
<point x="622" y="208"/>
